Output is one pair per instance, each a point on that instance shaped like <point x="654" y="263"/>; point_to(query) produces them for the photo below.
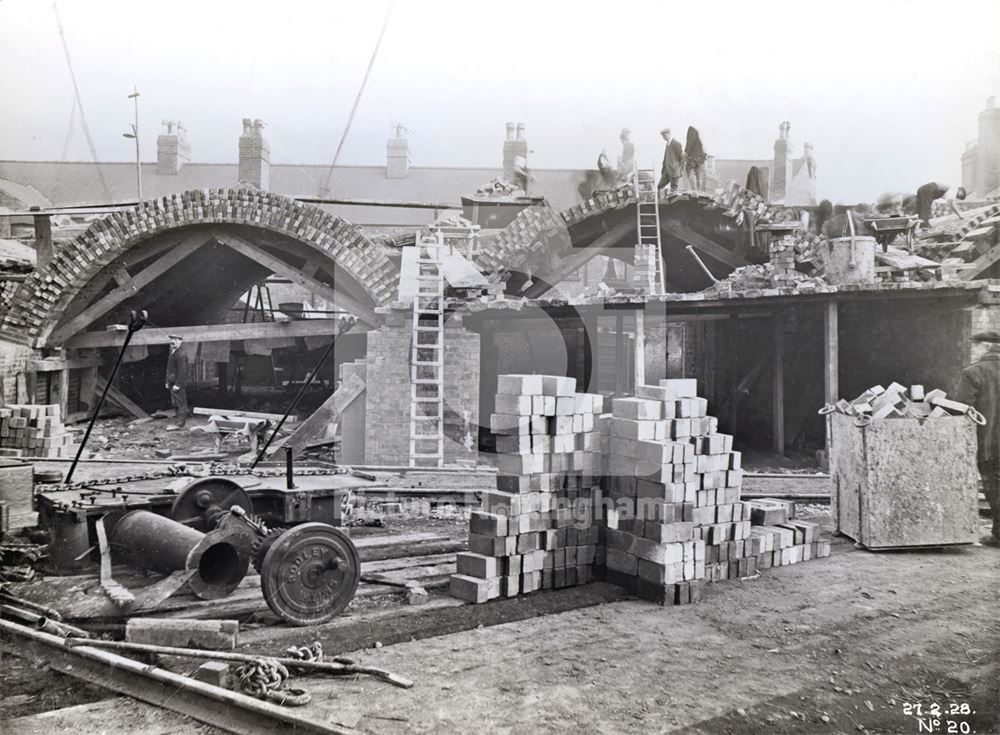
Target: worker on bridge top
<point x="673" y="163"/>
<point x="695" y="158"/>
<point x="979" y="386"/>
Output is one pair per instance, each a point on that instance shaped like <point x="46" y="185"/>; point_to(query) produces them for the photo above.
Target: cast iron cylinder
<point x="164" y="545"/>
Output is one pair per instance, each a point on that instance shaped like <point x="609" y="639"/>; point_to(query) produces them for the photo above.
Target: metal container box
<point x="902" y="482"/>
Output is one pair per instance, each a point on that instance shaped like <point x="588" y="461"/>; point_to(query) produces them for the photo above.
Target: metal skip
<point x="219" y="559"/>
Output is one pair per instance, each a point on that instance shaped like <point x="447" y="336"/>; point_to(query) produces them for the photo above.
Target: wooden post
<point x="619" y="354"/>
<point x="778" y="387"/>
<point x="831" y="358"/>
<point x="640" y="348"/>
<point x="44" y="247"/>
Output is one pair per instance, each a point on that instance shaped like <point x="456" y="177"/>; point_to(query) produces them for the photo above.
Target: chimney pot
<point x="520" y="131"/>
<point x="510" y="131"/>
<point x="991" y="102"/>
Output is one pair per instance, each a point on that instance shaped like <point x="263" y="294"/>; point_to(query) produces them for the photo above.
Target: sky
<point x="887" y="92"/>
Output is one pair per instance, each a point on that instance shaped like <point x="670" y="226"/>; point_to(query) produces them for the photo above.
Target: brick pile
<point x="35" y="430"/>
<point x="537" y="530"/>
<point x="783" y="274"/>
<point x="897" y="401"/>
<point x="678" y="521"/>
<point x="644" y="275"/>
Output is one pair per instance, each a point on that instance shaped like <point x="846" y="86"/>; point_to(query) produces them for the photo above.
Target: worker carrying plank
<point x="178" y="370"/>
<point x="979" y="386"/>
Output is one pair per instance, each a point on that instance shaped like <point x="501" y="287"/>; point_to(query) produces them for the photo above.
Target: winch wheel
<point x="310" y="574"/>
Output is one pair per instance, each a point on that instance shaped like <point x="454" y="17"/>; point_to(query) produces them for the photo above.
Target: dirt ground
<point x="852" y="643"/>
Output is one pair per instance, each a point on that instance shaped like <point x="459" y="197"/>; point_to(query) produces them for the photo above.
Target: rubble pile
<point x="898" y="401"/>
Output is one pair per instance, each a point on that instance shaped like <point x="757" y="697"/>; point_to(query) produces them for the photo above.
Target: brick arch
<point x="40" y="302"/>
<point x="545" y="242"/>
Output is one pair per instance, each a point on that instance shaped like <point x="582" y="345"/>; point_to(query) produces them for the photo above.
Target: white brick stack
<point x="537" y="530"/>
<point x="34" y="430"/>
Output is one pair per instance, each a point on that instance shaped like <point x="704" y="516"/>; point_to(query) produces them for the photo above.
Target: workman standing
<point x="979" y="387"/>
<point x="673" y="163"/>
<point x="178" y="372"/>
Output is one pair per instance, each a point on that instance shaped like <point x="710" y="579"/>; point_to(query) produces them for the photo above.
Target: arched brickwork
<point x="540" y="238"/>
<point x="41" y="300"/>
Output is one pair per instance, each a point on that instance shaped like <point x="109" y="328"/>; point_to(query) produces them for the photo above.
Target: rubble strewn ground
<point x="852" y="638"/>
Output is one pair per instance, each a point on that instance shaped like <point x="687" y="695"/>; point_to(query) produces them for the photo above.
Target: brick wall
<point x="387" y="399"/>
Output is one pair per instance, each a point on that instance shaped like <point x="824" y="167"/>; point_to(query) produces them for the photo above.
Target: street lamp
<point x="135" y="136"/>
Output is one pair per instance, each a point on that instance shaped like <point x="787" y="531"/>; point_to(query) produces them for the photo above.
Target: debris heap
<point x="897" y="401"/>
<point x="538" y="530"/>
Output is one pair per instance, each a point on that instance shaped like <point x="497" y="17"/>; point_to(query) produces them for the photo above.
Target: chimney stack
<point x="784" y="156"/>
<point x="255" y="155"/>
<point x="397" y="165"/>
<point x="514" y="148"/>
<point x="172" y="150"/>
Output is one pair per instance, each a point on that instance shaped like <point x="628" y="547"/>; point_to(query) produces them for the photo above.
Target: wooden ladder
<point x="648" y="224"/>
<point x="427" y="357"/>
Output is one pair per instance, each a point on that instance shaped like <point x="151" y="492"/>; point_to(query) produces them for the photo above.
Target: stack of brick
<point x="35" y="430"/>
<point x="644" y="275"/>
<point x="777" y="539"/>
<point x="783" y="274"/>
<point x="678" y="520"/>
<point x="537" y="530"/>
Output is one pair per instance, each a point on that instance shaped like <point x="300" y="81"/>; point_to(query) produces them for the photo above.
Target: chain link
<point x="265" y="678"/>
<point x="181" y="470"/>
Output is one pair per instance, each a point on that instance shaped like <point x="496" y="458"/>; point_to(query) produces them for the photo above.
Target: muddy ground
<point x="852" y="643"/>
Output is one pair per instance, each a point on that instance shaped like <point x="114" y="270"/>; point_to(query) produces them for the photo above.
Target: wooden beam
<point x="640" y="348"/>
<point x="579" y="258"/>
<point x="296" y="276"/>
<point x="54" y="364"/>
<point x="122" y="400"/>
<point x="702" y="243"/>
<point x="778" y="388"/>
<point x="981" y="264"/>
<point x="146" y="276"/>
<point x="831" y="362"/>
<point x="831" y="359"/>
<point x="211" y="333"/>
<point x="320" y="426"/>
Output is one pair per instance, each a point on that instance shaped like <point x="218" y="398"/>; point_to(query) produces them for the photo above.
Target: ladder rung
<point x="426" y="381"/>
<point x="428" y="329"/>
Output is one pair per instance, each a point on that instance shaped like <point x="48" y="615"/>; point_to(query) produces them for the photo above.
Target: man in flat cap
<point x="673" y="163"/>
<point x="178" y="370"/>
<point x="979" y="386"/>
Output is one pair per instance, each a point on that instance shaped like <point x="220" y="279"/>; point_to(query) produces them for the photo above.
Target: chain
<point x="180" y="470"/>
<point x="312" y="652"/>
<point x="265" y="678"/>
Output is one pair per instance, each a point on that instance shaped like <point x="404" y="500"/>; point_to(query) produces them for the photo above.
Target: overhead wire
<point x="325" y="188"/>
<point x="79" y="103"/>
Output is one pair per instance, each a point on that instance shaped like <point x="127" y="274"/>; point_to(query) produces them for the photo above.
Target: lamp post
<point x="135" y="136"/>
